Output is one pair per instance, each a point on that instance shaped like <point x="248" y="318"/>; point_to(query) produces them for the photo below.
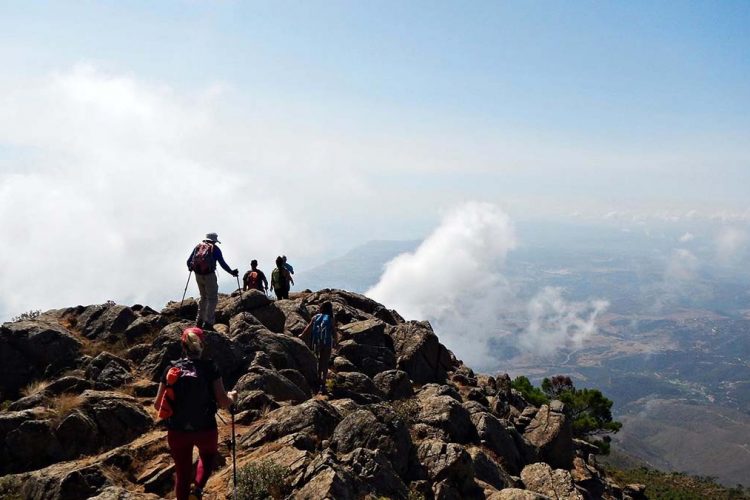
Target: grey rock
<point x="395" y="384"/>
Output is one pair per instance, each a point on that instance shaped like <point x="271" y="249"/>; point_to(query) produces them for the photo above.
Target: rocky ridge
<point x="403" y="419"/>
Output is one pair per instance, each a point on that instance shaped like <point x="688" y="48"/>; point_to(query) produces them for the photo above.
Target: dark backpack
<point x="193" y="406"/>
<point x="279" y="279"/>
<point x="203" y="258"/>
<point x="322" y="331"/>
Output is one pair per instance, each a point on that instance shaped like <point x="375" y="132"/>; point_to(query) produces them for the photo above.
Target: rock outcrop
<point x="402" y="417"/>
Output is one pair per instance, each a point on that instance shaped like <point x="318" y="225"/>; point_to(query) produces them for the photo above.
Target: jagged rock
<point x="489" y="471"/>
<point x="356" y="386"/>
<point x="31" y="401"/>
<point x="478" y="395"/>
<point x="186" y="310"/>
<point x="347" y="306"/>
<point x="120" y="493"/>
<point x="105" y="322"/>
<point x="271" y="316"/>
<point x="30" y="350"/>
<point x="488" y="384"/>
<point x="314" y="417"/>
<point x="277" y="386"/>
<point x="144" y="326"/>
<point x="525" y="418"/>
<point x="249" y="302"/>
<point x="256" y="400"/>
<point x="65" y="483"/>
<point x="345" y="406"/>
<point x="420" y="354"/>
<point x="495" y="436"/>
<point x="119" y="418"/>
<point x="329" y="482"/>
<point x="296" y="316"/>
<point x="557" y="483"/>
<point x="444" y="412"/>
<point x="298" y="379"/>
<point x="341" y="365"/>
<point x="367" y="332"/>
<point x="70" y="430"/>
<point x="551" y="433"/>
<point x="377" y="427"/>
<point x="375" y="473"/>
<point x="138" y="352"/>
<point x="446" y="461"/>
<point x="69" y="384"/>
<point x="107" y="371"/>
<point x="30" y="446"/>
<point x="517" y="494"/>
<point x="283" y="350"/>
<point x="395" y="384"/>
<point x="444" y="490"/>
<point x="432" y="390"/>
<point x="368" y="359"/>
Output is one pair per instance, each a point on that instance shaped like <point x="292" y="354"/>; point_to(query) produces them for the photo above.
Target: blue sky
<point x="345" y="121"/>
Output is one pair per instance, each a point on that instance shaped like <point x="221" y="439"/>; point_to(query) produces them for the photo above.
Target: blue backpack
<point x="322" y="330"/>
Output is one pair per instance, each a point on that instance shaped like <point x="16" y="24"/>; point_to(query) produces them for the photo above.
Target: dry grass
<point x="94" y="347"/>
<point x="64" y="404"/>
<point x="35" y="387"/>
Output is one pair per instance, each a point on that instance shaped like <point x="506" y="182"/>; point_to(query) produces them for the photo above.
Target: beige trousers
<point x="208" y="286"/>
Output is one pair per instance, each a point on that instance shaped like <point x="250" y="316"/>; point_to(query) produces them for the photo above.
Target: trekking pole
<point x="234" y="455"/>
<point x="185" y="291"/>
<point x="239" y="287"/>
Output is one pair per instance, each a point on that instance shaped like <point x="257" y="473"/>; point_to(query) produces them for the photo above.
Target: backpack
<point x="252" y="278"/>
<point x="278" y="279"/>
<point x="188" y="403"/>
<point x="322" y="331"/>
<point x="203" y="258"/>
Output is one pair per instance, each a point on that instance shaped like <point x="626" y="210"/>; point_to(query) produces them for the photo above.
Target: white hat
<point x="213" y="237"/>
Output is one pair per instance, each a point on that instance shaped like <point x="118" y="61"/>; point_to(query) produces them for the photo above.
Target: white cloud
<point x="455" y="280"/>
<point x="555" y="322"/>
<point x="682" y="266"/>
<point x="687" y="237"/>
<point x="731" y="243"/>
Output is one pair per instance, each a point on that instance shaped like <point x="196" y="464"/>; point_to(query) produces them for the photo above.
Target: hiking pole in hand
<point x="239" y="287"/>
<point x="232" y="410"/>
<point x="185" y="291"/>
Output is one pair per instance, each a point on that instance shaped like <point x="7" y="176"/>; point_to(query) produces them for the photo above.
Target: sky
<point x="130" y="129"/>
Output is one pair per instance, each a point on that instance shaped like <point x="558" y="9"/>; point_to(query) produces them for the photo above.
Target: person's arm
<point x="220" y="259"/>
<point x="159" y="396"/>
<point x="246" y="281"/>
<point x="263" y="280"/>
<point x="289" y="277"/>
<point x="223" y="398"/>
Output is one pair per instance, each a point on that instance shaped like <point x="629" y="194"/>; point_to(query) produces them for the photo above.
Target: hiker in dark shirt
<point x="189" y="393"/>
<point x="280" y="278"/>
<point x="254" y="278"/>
<point x="289" y="268"/>
<point x="202" y="261"/>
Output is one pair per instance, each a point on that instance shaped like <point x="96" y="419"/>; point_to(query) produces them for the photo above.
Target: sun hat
<point x="213" y="237"/>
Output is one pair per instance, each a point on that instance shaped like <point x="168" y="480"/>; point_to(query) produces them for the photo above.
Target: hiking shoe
<point x="196" y="494"/>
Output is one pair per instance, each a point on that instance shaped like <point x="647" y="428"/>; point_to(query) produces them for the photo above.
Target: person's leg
<point x="208" y="449"/>
<point x="323" y="360"/>
<point x="212" y="292"/>
<point x="181" y="449"/>
<point x="203" y="300"/>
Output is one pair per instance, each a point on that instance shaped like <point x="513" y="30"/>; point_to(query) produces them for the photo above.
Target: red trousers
<point x="181" y="446"/>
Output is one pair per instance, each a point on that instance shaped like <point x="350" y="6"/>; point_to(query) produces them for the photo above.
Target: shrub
<point x="35" y="387"/>
<point x="34" y="314"/>
<point x="64" y="404"/>
<point x="262" y="480"/>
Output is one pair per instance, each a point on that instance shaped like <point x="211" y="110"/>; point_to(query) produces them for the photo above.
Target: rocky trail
<point x="403" y="418"/>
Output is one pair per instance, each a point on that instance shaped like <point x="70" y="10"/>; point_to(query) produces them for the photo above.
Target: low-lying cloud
<point x="455" y="280"/>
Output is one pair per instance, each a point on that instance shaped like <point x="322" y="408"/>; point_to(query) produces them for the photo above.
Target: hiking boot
<point x="196" y="494"/>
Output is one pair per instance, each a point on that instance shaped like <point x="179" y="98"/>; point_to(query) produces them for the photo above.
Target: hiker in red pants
<point x="191" y="388"/>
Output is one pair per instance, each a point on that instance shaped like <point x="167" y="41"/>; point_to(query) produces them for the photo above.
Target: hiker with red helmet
<point x="202" y="261"/>
<point x="190" y="391"/>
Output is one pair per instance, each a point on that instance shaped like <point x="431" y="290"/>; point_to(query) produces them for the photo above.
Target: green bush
<point x="262" y="480"/>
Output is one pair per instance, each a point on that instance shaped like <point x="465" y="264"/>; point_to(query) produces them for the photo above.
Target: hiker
<point x="280" y="279"/>
<point x="188" y="395"/>
<point x="254" y="279"/>
<point x="320" y="336"/>
<point x="289" y="268"/>
<point x="202" y="261"/>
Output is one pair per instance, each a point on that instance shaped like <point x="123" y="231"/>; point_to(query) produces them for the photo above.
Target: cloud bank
<point x="455" y="280"/>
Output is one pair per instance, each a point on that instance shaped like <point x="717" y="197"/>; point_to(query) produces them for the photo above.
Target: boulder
<point x="66" y="482"/>
<point x="329" y="482"/>
<point x="296" y="316"/>
<point x="119" y="418"/>
<point x="447" y="414"/>
<point x="356" y="386"/>
<point x="517" y="494"/>
<point x="76" y="424"/>
<point x="105" y="322"/>
<point x="277" y="386"/>
<point x="314" y="417"/>
<point x="375" y="428"/>
<point x="32" y="350"/>
<point x="368" y="359"/>
<point x="367" y="332"/>
<point x="145" y="326"/>
<point x="256" y="400"/>
<point x="69" y="384"/>
<point x="298" y="379"/>
<point x="446" y="461"/>
<point x="550" y="432"/>
<point x="284" y="351"/>
<point x="233" y="305"/>
<point x="432" y="390"/>
<point x="375" y="473"/>
<point x="395" y="384"/>
<point x="420" y="354"/>
<point x="31" y="445"/>
<point x="486" y="469"/>
<point x="493" y="434"/>
<point x="557" y="483"/>
<point x="120" y="493"/>
<point x="107" y="371"/>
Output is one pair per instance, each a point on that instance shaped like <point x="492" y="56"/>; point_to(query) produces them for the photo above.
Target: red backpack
<point x="203" y="258"/>
<point x="253" y="279"/>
